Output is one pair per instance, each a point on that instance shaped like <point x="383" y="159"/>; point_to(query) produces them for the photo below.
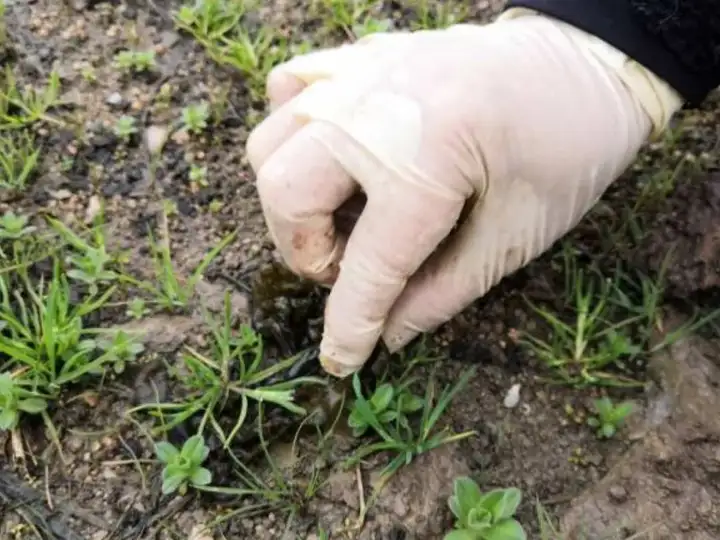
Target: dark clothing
<point x="678" y="40"/>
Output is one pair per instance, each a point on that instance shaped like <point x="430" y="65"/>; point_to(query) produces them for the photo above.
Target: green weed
<point x="125" y="128"/>
<point x="389" y="405"/>
<point x="609" y="417"/>
<point x="231" y="372"/>
<point x="184" y="466"/>
<point x="195" y="117"/>
<point x="18" y="160"/>
<point x="135" y="61"/>
<point x="437" y="15"/>
<point x="484" y="516"/>
<point x="399" y="437"/>
<point x="606" y="331"/>
<point x="22" y="107"/>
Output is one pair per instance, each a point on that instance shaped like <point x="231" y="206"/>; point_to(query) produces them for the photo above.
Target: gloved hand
<point x="522" y="123"/>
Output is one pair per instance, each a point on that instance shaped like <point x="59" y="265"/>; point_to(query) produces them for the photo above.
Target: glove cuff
<point x="657" y="98"/>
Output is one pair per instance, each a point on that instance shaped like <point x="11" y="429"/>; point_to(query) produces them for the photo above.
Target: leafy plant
<point x="609" y="417"/>
<point x="484" y="516"/>
<point x="399" y="437"/>
<point x="387" y="404"/>
<point x="137" y="61"/>
<point x="15" y="399"/>
<point x="184" y="467"/>
<point x="125" y="127"/>
<point x="121" y="349"/>
<point x="195" y="117"/>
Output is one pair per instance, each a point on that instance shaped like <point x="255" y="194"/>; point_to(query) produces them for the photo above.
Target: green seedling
<point x="137" y="308"/>
<point x="121" y="349"/>
<point x="198" y="175"/>
<point x="195" y="117"/>
<point x="184" y="467"/>
<point x="18" y="160"/>
<point x="137" y="61"/>
<point x="346" y="15"/>
<point x="15" y="399"/>
<point x="231" y="371"/>
<point x="89" y="262"/>
<point x="125" y="128"/>
<point x="399" y="438"/>
<point x="21" y="108"/>
<point x="170" y="290"/>
<point x="484" y="516"/>
<point x="388" y="405"/>
<point x="371" y="26"/>
<point x="609" y="417"/>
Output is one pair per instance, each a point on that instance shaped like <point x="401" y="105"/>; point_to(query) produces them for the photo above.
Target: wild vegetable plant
<point x="183" y="467"/>
<point x="401" y="438"/>
<point x="125" y="128"/>
<point x="484" y="516"/>
<point x="389" y="405"/>
<point x="609" y="417"/>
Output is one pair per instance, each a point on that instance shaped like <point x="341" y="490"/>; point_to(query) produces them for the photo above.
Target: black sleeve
<point x="678" y="40"/>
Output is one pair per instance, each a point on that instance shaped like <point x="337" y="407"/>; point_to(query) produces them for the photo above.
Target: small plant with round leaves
<point x="388" y="404"/>
<point x="183" y="467"/>
<point x="198" y="175"/>
<point x="609" y="417"/>
<point x="137" y="308"/>
<point x="484" y="516"/>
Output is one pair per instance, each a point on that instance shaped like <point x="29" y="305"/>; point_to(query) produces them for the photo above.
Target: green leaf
<point x="460" y="534"/>
<point x="622" y="411"/>
<point x="32" y="405"/>
<point x="608" y="431"/>
<point x="501" y="503"/>
<point x="409" y="403"/>
<point x="7" y="385"/>
<point x="382" y="397"/>
<point x="387" y="416"/>
<point x="593" y="422"/>
<point x="201" y="477"/>
<point x="171" y="483"/>
<point x="509" y="529"/>
<point x="466" y="494"/>
<point x="479" y="519"/>
<point x="166" y="452"/>
<point x="355" y="419"/>
<point x="194" y="450"/>
<point x="8" y="419"/>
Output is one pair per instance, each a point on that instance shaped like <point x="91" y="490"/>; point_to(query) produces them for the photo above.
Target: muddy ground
<point x="657" y="479"/>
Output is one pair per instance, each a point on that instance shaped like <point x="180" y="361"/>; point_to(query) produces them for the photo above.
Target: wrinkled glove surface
<point x="513" y="118"/>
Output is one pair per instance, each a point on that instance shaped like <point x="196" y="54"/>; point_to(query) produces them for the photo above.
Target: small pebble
<point x="513" y="396"/>
<point x="115" y="99"/>
<point x="618" y="494"/>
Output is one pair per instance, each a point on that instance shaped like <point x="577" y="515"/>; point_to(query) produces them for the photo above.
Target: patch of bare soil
<point x="109" y="485"/>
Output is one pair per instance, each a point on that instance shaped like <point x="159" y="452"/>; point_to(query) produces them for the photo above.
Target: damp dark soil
<point x="109" y="486"/>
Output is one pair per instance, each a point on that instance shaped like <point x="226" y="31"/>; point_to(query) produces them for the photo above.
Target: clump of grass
<point x="22" y="107"/>
<point x="219" y="26"/>
<point x="19" y="157"/>
<point x="605" y="334"/>
<point x="355" y="18"/>
<point x="437" y="15"/>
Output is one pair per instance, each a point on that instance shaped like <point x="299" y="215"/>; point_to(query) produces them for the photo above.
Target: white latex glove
<point x="526" y="118"/>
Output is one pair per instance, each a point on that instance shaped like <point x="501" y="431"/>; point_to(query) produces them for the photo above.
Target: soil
<point x="663" y="469"/>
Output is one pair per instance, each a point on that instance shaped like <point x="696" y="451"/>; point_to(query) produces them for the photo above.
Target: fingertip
<point x="282" y="87"/>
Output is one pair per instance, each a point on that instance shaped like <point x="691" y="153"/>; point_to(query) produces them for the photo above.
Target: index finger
<point x="301" y="185"/>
